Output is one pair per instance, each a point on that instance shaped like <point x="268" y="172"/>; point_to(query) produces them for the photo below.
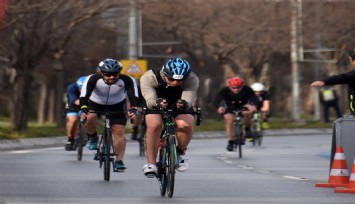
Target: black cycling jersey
<point x="235" y="101"/>
<point x="264" y="95"/>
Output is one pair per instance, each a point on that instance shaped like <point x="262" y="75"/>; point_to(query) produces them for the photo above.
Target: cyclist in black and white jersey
<point x="107" y="91"/>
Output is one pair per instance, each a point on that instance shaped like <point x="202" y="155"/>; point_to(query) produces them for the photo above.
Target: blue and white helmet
<point x="176" y="68"/>
<point x="110" y="66"/>
<point x="80" y="81"/>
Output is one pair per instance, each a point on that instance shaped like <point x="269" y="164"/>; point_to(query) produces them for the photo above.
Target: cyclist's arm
<point x="190" y="88"/>
<point x="87" y="89"/>
<point x="148" y="83"/>
<point x="132" y="89"/>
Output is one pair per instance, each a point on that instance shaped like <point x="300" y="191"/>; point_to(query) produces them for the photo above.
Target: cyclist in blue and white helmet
<point x="80" y="82"/>
<point x="174" y="86"/>
<point x="110" y="70"/>
<point x="176" y="69"/>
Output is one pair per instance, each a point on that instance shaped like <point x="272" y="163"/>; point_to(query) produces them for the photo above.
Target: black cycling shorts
<point x="119" y="117"/>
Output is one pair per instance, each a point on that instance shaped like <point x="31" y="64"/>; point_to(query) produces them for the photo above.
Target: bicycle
<point x="257" y="129"/>
<point x="106" y="152"/>
<point x="80" y="140"/>
<point x="168" y="158"/>
<point x="238" y="131"/>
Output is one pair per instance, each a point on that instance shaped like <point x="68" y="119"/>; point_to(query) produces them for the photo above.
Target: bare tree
<point x="34" y="28"/>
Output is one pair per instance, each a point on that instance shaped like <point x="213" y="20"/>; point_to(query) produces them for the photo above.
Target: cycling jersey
<point x="235" y="101"/>
<point x="153" y="87"/>
<point x="345" y="78"/>
<point x="96" y="90"/>
<point x="73" y="94"/>
<point x="264" y="96"/>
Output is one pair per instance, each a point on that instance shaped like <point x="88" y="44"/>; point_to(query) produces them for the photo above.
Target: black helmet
<point x="110" y="66"/>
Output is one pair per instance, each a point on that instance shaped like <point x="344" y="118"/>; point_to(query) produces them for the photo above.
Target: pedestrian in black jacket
<point x="344" y="78"/>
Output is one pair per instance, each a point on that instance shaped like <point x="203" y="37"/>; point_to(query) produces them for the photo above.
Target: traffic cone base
<point x="339" y="174"/>
<point x="350" y="188"/>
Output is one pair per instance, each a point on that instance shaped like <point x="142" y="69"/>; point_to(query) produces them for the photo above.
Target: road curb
<point x="31" y="143"/>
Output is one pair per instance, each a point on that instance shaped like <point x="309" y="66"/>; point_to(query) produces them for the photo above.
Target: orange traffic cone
<point x="339" y="174"/>
<point x="350" y="188"/>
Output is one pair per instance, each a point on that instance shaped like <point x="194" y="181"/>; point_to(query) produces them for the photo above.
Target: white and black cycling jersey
<point x="96" y="90"/>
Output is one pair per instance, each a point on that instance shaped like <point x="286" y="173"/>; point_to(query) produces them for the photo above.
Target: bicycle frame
<point x="238" y="130"/>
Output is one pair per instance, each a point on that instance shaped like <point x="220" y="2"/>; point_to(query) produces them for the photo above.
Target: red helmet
<point x="235" y="82"/>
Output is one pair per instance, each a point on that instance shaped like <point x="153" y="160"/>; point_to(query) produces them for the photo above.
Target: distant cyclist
<point x="236" y="96"/>
<point x="174" y="86"/>
<point x="106" y="91"/>
<point x="73" y="107"/>
<point x="263" y="102"/>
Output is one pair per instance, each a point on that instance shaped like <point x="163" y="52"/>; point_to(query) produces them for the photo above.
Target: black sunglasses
<point x="178" y="80"/>
<point x="107" y="74"/>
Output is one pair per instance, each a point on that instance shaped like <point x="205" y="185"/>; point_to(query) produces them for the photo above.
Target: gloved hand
<point x="181" y="104"/>
<point x="161" y="104"/>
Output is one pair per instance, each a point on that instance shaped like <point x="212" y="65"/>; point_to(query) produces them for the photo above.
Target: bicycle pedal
<point x="150" y="175"/>
<point x="119" y="170"/>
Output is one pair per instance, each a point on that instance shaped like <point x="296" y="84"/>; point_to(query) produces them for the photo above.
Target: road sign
<point x="134" y="68"/>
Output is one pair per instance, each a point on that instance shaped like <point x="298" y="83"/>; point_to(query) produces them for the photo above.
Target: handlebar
<point x="169" y="113"/>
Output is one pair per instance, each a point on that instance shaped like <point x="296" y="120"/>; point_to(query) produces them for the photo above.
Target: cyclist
<point x="344" y="78"/>
<point x="263" y="102"/>
<point x="73" y="107"/>
<point x="174" y="86"/>
<point x="107" y="91"/>
<point x="236" y="96"/>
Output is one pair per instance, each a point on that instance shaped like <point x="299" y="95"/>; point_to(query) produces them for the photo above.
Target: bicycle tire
<point x="238" y="135"/>
<point x="255" y="132"/>
<point x="141" y="140"/>
<point x="260" y="138"/>
<point x="79" y="141"/>
<point x="107" y="154"/>
<point x="171" y="161"/>
<point x="161" y="169"/>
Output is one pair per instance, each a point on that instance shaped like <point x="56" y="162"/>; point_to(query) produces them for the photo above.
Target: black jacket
<point x="345" y="78"/>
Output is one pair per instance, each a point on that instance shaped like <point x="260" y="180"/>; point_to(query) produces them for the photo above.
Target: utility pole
<point x="133" y="31"/>
<point x="296" y="53"/>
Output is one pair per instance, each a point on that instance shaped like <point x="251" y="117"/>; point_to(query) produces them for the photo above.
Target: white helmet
<point x="257" y="87"/>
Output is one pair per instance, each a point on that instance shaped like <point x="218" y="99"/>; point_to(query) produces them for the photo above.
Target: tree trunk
<point x="59" y="93"/>
<point x="19" y="112"/>
<point x="42" y="103"/>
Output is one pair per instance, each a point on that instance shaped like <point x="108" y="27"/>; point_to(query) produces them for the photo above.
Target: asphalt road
<point x="283" y="170"/>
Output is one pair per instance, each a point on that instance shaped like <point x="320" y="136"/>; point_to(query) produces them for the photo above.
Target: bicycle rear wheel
<point x="107" y="154"/>
<point x="260" y="138"/>
<point x="170" y="170"/>
<point x="79" y="141"/>
<point x="161" y="169"/>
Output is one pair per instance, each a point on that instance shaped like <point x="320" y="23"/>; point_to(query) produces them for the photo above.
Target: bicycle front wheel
<point x="79" y="141"/>
<point x="141" y="140"/>
<point x="107" y="154"/>
<point x="171" y="161"/>
<point x="238" y="135"/>
<point x="161" y="169"/>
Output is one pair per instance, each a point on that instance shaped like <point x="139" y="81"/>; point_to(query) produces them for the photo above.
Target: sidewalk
<point x="21" y="144"/>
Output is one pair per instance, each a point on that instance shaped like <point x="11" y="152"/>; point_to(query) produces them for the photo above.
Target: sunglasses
<point x="110" y="74"/>
<point x="171" y="80"/>
<point x="236" y="87"/>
